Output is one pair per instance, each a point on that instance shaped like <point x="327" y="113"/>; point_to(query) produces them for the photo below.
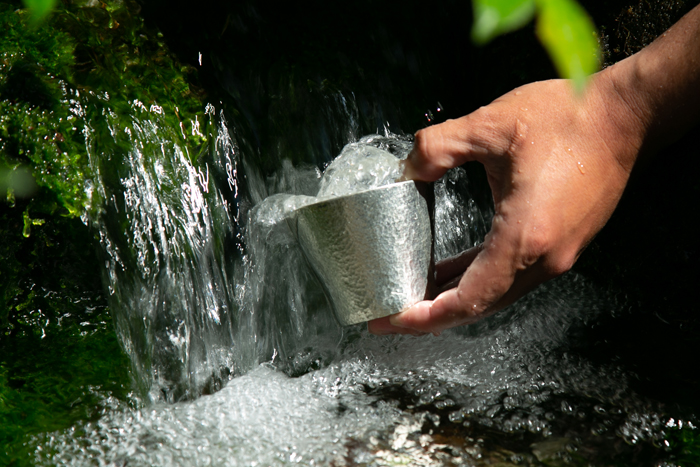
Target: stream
<point x="241" y="362"/>
<point x="228" y="350"/>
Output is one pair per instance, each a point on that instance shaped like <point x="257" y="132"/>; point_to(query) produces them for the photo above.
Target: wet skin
<point x="557" y="163"/>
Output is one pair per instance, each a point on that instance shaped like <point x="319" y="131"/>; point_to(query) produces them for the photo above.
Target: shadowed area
<point x="164" y="125"/>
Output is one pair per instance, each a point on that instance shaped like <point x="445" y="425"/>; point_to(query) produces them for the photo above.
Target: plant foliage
<point x="87" y="57"/>
<point x="563" y="27"/>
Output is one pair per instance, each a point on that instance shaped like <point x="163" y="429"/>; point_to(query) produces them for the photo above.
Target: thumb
<point x="478" y="294"/>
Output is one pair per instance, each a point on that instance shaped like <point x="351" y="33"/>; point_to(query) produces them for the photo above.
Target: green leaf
<point x="39" y="10"/>
<point x="570" y="38"/>
<point x="495" y="17"/>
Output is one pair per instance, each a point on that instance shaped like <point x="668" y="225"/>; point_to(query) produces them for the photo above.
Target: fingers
<point x="450" y="144"/>
<point x="499" y="274"/>
<point x="485" y="282"/>
<point x="437" y="149"/>
<point x="383" y="326"/>
<point x="418" y="318"/>
<point x="447" y="272"/>
<point x="450" y="270"/>
<point x="524" y="282"/>
<point x="484" y="289"/>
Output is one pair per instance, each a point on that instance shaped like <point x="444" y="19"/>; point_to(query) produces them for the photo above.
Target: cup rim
<point x="350" y="195"/>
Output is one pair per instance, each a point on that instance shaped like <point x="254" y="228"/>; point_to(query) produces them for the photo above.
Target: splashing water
<point x="212" y="297"/>
<point x="364" y="165"/>
<point x="371" y="162"/>
<point x="389" y="401"/>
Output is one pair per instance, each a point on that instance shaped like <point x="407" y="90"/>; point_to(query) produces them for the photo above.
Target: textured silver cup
<point x="371" y="251"/>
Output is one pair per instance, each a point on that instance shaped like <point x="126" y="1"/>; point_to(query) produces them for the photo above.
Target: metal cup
<point x="372" y="251"/>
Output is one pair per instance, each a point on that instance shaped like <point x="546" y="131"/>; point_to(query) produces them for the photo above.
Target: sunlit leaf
<point x="568" y="34"/>
<point x="495" y="17"/>
<point x="39" y="9"/>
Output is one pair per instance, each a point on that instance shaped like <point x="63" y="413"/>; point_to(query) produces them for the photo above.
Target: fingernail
<point x="407" y="172"/>
<point x="402" y="169"/>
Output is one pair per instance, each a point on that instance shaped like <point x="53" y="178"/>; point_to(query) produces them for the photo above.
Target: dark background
<point x="399" y="60"/>
<point x="277" y="71"/>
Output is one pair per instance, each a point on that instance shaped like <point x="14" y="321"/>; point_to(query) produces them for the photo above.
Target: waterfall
<point x="165" y="228"/>
<point x="234" y="348"/>
<point x="202" y="288"/>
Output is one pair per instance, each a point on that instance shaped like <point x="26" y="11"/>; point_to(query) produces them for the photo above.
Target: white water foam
<point x="362" y="165"/>
<point x="307" y="391"/>
<point x="502" y="376"/>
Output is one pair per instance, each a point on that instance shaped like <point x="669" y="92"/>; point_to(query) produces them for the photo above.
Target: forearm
<point x="661" y="84"/>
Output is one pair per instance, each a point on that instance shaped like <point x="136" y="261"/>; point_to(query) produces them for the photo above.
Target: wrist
<point x="622" y="114"/>
<point x="659" y="85"/>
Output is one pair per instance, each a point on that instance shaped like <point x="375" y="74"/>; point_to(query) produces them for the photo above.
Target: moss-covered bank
<point x="60" y="361"/>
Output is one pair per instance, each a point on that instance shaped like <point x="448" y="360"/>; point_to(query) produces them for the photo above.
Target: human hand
<point x="557" y="164"/>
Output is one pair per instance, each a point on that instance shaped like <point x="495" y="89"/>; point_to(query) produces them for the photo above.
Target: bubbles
<point x="235" y="344"/>
<point x="371" y="162"/>
<point x="374" y="400"/>
<point x="359" y="167"/>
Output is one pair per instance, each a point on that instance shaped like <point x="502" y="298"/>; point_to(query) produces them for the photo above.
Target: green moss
<point x="60" y="361"/>
<point x="684" y="444"/>
<point x="53" y="382"/>
<point x="83" y="63"/>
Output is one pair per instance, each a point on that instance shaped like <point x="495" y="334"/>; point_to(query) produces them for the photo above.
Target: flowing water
<point x="237" y="358"/>
<point x="235" y="355"/>
<point x="362" y="165"/>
